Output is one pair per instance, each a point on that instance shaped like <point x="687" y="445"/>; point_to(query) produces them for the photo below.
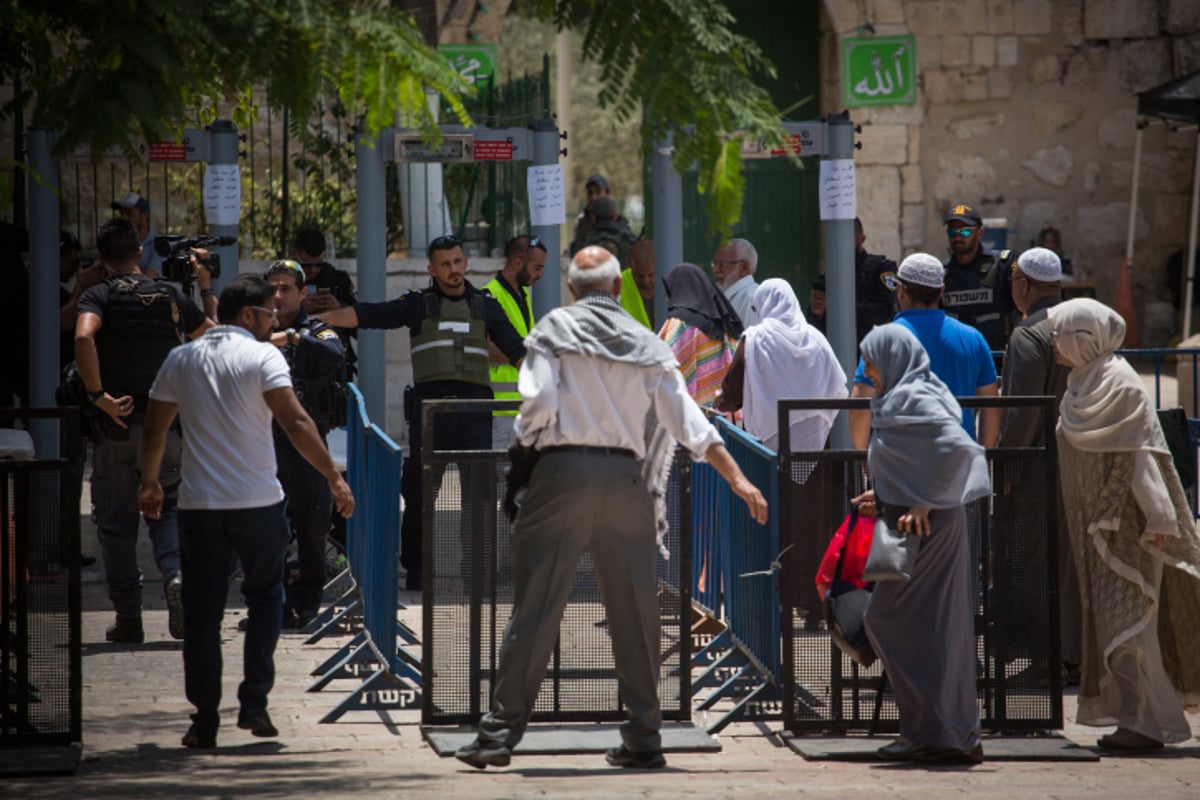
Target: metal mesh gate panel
<point x="469" y="594"/>
<point x="1015" y="590"/>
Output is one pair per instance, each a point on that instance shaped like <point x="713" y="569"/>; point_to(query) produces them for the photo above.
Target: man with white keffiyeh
<point x="602" y="399"/>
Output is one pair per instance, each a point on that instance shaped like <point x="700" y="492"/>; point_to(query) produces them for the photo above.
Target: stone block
<point x="956" y="51"/>
<point x="883" y="144"/>
<point x="891" y="115"/>
<point x="936" y="86"/>
<point x="911" y="184"/>
<point x="962" y="175"/>
<point x="1108" y="224"/>
<point x="1045" y="69"/>
<point x="1000" y="16"/>
<point x="1171" y="216"/>
<point x="912" y="227"/>
<point x="1145" y="64"/>
<point x="1118" y="129"/>
<point x="1068" y="22"/>
<point x="983" y="51"/>
<point x="1183" y="17"/>
<point x="1091" y="176"/>
<point x="1008" y="51"/>
<point x="1050" y="118"/>
<point x="914" y="144"/>
<point x="1031" y="17"/>
<point x="975" y="87"/>
<point x="878" y="200"/>
<point x="1083" y="68"/>
<point x="1000" y="83"/>
<point x="969" y="127"/>
<point x="1052" y="165"/>
<point x="885" y="11"/>
<point x="929" y="52"/>
<point x="924" y="19"/>
<point x="1187" y="54"/>
<point x="846" y="15"/>
<point x="1035" y="216"/>
<point x="1120" y="19"/>
<point x="974" y="16"/>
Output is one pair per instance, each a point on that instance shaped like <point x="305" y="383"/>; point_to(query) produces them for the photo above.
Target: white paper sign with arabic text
<point x="223" y="194"/>
<point x="837" y="193"/>
<point x="547" y="200"/>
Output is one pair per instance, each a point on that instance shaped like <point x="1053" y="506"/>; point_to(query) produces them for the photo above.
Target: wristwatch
<point x="292" y="336"/>
<point x="94" y="396"/>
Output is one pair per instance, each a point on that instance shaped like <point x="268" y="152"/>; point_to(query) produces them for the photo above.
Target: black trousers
<point x="309" y="505"/>
<point x="451" y="431"/>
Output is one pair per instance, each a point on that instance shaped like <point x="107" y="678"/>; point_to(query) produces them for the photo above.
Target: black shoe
<point x="126" y="631"/>
<point x="86" y="561"/>
<point x="485" y="754"/>
<point x="899" y="750"/>
<point x="948" y="755"/>
<point x="174" y="593"/>
<point x="200" y="741"/>
<point x="1071" y="674"/>
<point x="1125" y="740"/>
<point x="296" y="620"/>
<point x="243" y="624"/>
<point x="641" y="759"/>
<point x="258" y="723"/>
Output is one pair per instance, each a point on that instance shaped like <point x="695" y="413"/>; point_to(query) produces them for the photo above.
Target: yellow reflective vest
<point x="631" y="299"/>
<point x="504" y="376"/>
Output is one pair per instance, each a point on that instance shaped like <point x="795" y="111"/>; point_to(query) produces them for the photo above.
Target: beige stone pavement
<point x="135" y="713"/>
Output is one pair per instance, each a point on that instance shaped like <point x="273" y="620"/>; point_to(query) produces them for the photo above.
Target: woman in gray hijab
<point x="925" y="469"/>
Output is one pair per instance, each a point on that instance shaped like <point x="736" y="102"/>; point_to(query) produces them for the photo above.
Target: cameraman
<point x="318" y="364"/>
<point x="127" y="325"/>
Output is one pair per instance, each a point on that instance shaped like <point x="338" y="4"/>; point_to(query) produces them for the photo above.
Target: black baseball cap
<point x="132" y="200"/>
<point x="964" y="213"/>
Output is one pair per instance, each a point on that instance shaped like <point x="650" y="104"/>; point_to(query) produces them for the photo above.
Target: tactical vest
<point x="504" y="376"/>
<point x="141" y="325"/>
<point x="978" y="295"/>
<point x="452" y="343"/>
<point x="321" y="390"/>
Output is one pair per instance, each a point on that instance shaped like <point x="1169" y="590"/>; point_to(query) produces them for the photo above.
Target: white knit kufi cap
<point x="923" y="270"/>
<point x="1041" y="265"/>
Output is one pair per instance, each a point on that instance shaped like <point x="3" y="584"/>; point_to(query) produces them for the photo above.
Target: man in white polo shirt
<point x="226" y="386"/>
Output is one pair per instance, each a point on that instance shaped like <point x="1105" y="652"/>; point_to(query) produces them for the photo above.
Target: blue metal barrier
<point x="739" y="564"/>
<point x="373" y="463"/>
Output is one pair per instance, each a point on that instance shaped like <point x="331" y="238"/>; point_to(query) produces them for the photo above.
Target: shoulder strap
<point x="433" y="305"/>
<point x="476" y="302"/>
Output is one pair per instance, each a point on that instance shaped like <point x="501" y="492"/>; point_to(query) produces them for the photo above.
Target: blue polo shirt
<point x="958" y="354"/>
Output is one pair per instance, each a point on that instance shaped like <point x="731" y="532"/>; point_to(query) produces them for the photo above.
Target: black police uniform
<point x="978" y="294"/>
<point x="465" y="431"/>
<point x="341" y="287"/>
<point x="874" y="293"/>
<point x="318" y="363"/>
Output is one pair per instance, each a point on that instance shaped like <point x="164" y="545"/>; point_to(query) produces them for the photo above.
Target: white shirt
<point x="218" y="382"/>
<point x="578" y="400"/>
<point x="741" y="297"/>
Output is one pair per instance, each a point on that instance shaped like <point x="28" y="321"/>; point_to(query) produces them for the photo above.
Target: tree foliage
<point x="681" y="65"/>
<point x="107" y="73"/>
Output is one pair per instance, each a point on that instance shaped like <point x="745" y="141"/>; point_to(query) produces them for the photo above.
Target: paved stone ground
<point x="135" y="713"/>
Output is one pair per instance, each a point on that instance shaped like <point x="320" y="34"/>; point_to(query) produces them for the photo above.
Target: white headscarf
<point x="786" y="359"/>
<point x="1105" y="407"/>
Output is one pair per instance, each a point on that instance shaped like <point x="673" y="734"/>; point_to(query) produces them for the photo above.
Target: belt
<point x="590" y="450"/>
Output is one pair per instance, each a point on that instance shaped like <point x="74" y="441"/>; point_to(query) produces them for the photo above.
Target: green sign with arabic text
<point x="879" y="71"/>
<point x="475" y="62"/>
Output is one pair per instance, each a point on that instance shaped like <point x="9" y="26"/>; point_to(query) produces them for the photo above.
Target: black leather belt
<point x="590" y="450"/>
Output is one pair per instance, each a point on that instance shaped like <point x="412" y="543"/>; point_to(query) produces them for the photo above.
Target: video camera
<point x="176" y="251"/>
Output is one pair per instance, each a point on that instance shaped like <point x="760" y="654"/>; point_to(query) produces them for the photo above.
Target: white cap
<point x="923" y="270"/>
<point x="1041" y="264"/>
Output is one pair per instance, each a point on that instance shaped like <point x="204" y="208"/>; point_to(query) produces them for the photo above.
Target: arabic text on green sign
<point x="473" y="61"/>
<point x="879" y="71"/>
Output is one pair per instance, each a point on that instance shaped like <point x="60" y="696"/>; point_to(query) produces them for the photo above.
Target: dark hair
<point x="286" y="266"/>
<point x="309" y="239"/>
<point x="245" y="291"/>
<point x="117" y="240"/>
<point x="516" y="246"/>
<point x="923" y="295"/>
<point x="68" y="241"/>
<point x="447" y="242"/>
<point x="858" y="228"/>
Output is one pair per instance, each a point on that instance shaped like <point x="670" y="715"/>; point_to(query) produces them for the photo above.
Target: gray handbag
<point x="892" y="553"/>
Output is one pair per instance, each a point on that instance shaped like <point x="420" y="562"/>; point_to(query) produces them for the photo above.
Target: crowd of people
<point x="605" y="390"/>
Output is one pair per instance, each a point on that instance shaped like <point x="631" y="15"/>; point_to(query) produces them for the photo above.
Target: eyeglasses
<point x="961" y="233"/>
<point x="723" y="265"/>
<point x="274" y="312"/>
<point x="533" y="242"/>
<point x="444" y="243"/>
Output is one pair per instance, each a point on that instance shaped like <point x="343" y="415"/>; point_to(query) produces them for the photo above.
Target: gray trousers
<point x="116" y="471"/>
<point x="574" y="502"/>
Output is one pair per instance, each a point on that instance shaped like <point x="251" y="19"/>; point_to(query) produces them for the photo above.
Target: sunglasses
<point x="961" y="233"/>
<point x="444" y="243"/>
<point x="274" y="312"/>
<point x="533" y="242"/>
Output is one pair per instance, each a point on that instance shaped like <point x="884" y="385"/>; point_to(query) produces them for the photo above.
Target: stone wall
<point x="1027" y="110"/>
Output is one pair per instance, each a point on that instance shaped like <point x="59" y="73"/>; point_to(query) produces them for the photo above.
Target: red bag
<point x="856" y="554"/>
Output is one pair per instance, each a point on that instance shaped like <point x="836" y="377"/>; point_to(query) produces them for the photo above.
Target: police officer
<point x="318" y="362"/>
<point x="874" y="289"/>
<point x="524" y="262"/>
<point x="977" y="290"/>
<point x="127" y="325"/>
<point x="450" y="323"/>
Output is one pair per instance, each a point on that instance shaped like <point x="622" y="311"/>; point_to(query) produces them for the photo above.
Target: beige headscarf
<point x="1105" y="408"/>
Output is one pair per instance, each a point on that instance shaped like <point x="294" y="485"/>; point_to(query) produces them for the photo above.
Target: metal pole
<point x="223" y="149"/>
<point x="547" y="294"/>
<point x="562" y="105"/>
<point x="839" y="274"/>
<point x="1133" y="192"/>
<point x="668" y="219"/>
<point x="43" y="287"/>
<point x="372" y="271"/>
<point x="1189" y="285"/>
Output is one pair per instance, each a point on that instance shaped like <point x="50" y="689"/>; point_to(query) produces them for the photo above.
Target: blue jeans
<point x="210" y="540"/>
